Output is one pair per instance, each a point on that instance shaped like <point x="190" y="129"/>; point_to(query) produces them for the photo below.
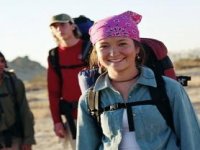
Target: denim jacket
<point x="151" y="130"/>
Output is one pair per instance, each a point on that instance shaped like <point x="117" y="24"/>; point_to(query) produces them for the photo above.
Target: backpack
<point x="158" y="60"/>
<point x="11" y="86"/>
<point x="83" y="23"/>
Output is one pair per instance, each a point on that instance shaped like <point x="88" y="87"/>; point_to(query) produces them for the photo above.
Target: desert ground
<point x="38" y="101"/>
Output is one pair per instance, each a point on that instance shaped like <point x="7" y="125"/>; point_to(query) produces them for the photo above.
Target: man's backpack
<point x="83" y="24"/>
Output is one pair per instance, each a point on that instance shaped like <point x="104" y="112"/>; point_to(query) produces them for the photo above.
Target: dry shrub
<point x="195" y="81"/>
<point x="187" y="63"/>
<point x="39" y="82"/>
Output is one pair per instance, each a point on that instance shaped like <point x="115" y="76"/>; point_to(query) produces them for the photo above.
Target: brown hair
<point x="76" y="31"/>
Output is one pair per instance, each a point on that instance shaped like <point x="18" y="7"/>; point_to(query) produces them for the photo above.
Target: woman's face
<point x="117" y="53"/>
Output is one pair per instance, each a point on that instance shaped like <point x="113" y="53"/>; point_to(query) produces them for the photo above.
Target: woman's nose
<point x="113" y="51"/>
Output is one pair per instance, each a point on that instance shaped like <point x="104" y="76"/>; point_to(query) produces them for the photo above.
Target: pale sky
<point x="24" y="24"/>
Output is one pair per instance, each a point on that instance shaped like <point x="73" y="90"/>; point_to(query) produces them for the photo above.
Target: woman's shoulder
<point x="171" y="82"/>
<point x="173" y="87"/>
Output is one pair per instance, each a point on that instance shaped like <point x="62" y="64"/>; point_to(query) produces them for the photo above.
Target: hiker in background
<point x="63" y="87"/>
<point x="16" y="119"/>
<point x="128" y="117"/>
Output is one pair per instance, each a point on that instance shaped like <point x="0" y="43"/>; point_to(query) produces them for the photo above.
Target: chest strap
<point x="129" y="109"/>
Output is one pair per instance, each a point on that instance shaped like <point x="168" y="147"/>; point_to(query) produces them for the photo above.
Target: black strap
<point x="164" y="107"/>
<point x="128" y="106"/>
<point x="130" y="118"/>
<point x="54" y="60"/>
<point x="125" y="105"/>
<point x="159" y="98"/>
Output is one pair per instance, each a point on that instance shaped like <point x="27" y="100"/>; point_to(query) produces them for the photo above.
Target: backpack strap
<point x="159" y="94"/>
<point x="86" y="50"/>
<point x="94" y="104"/>
<point x="164" y="107"/>
<point x="54" y="60"/>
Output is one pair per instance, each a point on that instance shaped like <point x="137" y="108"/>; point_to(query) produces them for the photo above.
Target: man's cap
<point x="61" y="18"/>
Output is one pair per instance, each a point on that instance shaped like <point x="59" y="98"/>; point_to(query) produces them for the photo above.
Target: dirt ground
<point x="46" y="140"/>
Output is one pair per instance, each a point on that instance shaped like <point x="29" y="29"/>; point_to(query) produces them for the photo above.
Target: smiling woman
<point x="124" y="116"/>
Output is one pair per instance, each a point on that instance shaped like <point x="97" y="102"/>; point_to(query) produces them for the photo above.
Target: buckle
<point x="114" y="107"/>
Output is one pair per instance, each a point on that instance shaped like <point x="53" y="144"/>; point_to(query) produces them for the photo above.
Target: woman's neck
<point x="124" y="76"/>
<point x="124" y="82"/>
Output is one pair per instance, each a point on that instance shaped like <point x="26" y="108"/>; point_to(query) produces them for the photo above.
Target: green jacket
<point x="15" y="109"/>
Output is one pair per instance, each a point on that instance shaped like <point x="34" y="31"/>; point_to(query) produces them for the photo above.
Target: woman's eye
<point x="122" y="44"/>
<point x="103" y="46"/>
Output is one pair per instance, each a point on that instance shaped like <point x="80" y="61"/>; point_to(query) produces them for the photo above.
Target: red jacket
<point x="70" y="90"/>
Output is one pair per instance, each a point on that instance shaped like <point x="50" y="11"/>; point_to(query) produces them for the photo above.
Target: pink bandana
<point x="122" y="25"/>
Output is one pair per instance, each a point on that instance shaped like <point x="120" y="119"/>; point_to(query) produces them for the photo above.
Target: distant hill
<point x="27" y="69"/>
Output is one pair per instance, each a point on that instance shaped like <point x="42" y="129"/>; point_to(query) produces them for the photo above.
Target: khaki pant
<point x="67" y="142"/>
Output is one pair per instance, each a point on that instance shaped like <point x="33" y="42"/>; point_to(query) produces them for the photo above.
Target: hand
<point x="59" y="130"/>
<point x="26" y="147"/>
